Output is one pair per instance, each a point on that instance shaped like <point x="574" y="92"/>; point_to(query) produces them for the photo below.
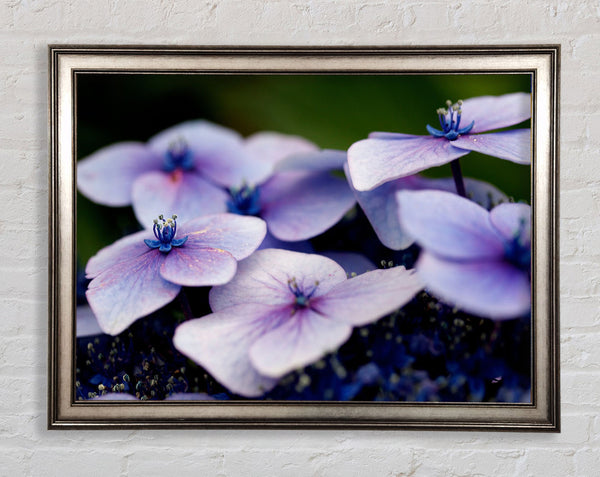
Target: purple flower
<point x="301" y="199"/>
<point x="87" y="324"/>
<point x="387" y="156"/>
<point x="141" y="273"/>
<point x="476" y="260"/>
<point x="183" y="168"/>
<point x="380" y="205"/>
<point x="284" y="310"/>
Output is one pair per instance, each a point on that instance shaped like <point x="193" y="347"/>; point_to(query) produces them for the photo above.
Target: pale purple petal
<point x="237" y="234"/>
<point x="272" y="147"/>
<point x="301" y="205"/>
<point x="381" y="208"/>
<point x="495" y="112"/>
<point x="218" y="151"/>
<point x="492" y="289"/>
<point x="373" y="162"/>
<point x="183" y="193"/>
<point x="352" y="263"/>
<point x="107" y="176"/>
<point x="514" y="145"/>
<point x="325" y="160"/>
<point x="122" y="250"/>
<point x="220" y="343"/>
<point x="368" y="297"/>
<point x="196" y="266"/>
<point x="483" y="193"/>
<point x="303" y="246"/>
<point x="301" y="339"/>
<point x="129" y="290"/>
<point x="512" y="221"/>
<point x="449" y="225"/>
<point x="263" y="278"/>
<point x="116" y="397"/>
<point x="189" y="397"/>
<point x="86" y="323"/>
<point x="390" y="135"/>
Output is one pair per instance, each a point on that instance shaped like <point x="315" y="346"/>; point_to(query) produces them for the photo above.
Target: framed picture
<point x="304" y="237"/>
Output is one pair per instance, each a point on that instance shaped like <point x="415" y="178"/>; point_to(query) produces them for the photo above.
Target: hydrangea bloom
<point x="476" y="260"/>
<point x="301" y="199"/>
<point x="183" y="168"/>
<point x="387" y="156"/>
<point x="86" y="323"/>
<point x="284" y="310"/>
<point x="141" y="273"/>
<point x="381" y="206"/>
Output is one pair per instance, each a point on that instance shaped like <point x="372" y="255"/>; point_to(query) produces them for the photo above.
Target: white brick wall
<point x="28" y="26"/>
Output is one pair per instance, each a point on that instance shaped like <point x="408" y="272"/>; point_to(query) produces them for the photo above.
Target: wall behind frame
<point x="29" y="449"/>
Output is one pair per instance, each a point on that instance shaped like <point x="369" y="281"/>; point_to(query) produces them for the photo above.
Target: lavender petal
<point x="325" y="160"/>
<point x="183" y="193"/>
<point x="301" y="339"/>
<point x="495" y="112"/>
<point x="122" y="250"/>
<point x="373" y="162"/>
<point x="86" y="322"/>
<point x="107" y="176"/>
<point x="129" y="290"/>
<point x="264" y="278"/>
<point x="449" y="225"/>
<point x="237" y="234"/>
<point x="368" y="297"/>
<point x="513" y="145"/>
<point x="293" y="204"/>
<point x="513" y="221"/>
<point x="218" y="152"/>
<point x="220" y="343"/>
<point x="196" y="266"/>
<point x="491" y="289"/>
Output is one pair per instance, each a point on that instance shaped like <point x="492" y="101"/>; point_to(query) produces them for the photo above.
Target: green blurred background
<point x="333" y="111"/>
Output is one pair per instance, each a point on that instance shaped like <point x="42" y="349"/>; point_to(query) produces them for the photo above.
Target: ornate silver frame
<point x="542" y="62"/>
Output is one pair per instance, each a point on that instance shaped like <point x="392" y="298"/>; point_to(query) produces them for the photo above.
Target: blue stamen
<point x="301" y="297"/>
<point x="450" y="122"/>
<point x="245" y="200"/>
<point x="164" y="231"/>
<point x="178" y="156"/>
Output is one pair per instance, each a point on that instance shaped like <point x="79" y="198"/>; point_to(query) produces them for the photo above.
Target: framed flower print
<point x="304" y="237"/>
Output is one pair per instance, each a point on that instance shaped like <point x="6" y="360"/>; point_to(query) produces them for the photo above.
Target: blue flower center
<point x="517" y="252"/>
<point x="164" y="231"/>
<point x="244" y="200"/>
<point x="301" y="296"/>
<point x="450" y="122"/>
<point x="178" y="156"/>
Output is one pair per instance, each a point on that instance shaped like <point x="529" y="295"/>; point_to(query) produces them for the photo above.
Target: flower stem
<point x="185" y="305"/>
<point x="458" y="178"/>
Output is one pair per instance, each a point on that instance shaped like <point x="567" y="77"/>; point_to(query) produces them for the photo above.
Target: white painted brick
<point x="15" y="461"/>
<point x="586" y="273"/>
<point x="580" y="351"/>
<point x="380" y="17"/>
<point x="547" y="462"/>
<point x="28" y="26"/>
<point x="61" y="462"/>
<point x="581" y="389"/>
<point x="579" y="312"/>
<point x="587" y="462"/>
